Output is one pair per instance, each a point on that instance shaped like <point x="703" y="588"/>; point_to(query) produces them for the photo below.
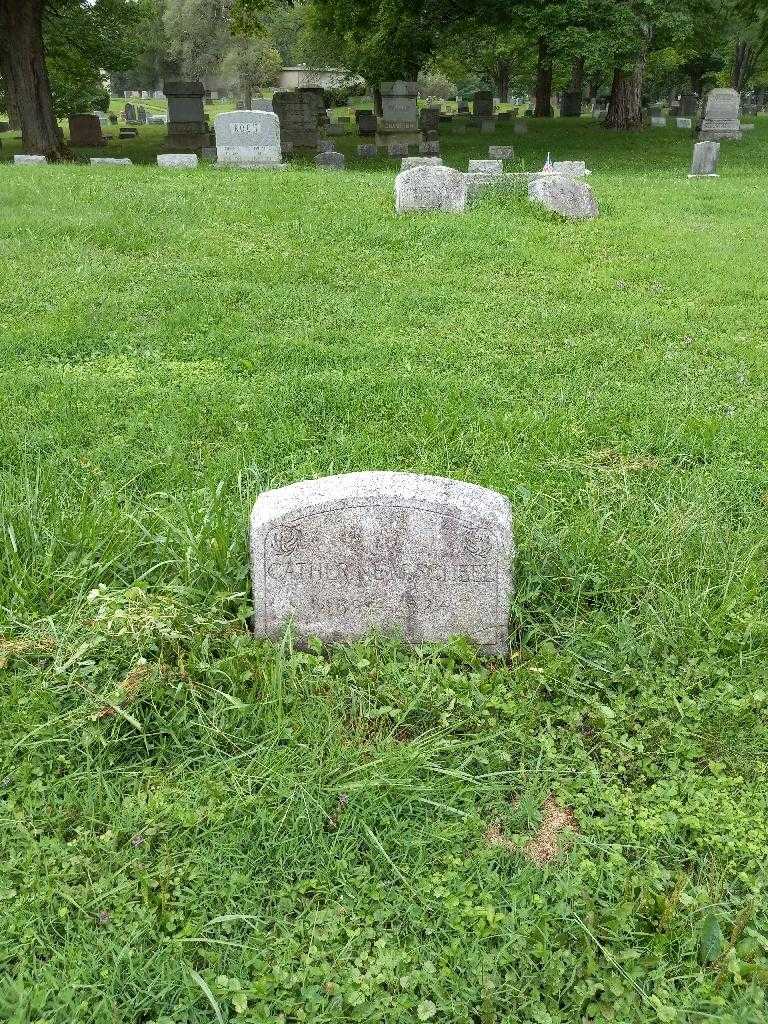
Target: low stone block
<point x="397" y="149"/>
<point x="111" y="161"/>
<point x="501" y="153"/>
<point x="494" y="167"/>
<point x="571" y="168"/>
<point x="430" y="188"/>
<point x="341" y="557"/>
<point x="325" y="146"/>
<point x="562" y="195"/>
<point x="420" y="161"/>
<point x="330" y="161"/>
<point x="28" y="159"/>
<point x="180" y="160"/>
<point x="704" y="163"/>
<point x="367" y="149"/>
<point x="430" y="148"/>
<point x="658" y="122"/>
<point x="684" y="122"/>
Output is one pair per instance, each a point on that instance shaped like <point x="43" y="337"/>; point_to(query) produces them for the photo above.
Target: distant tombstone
<point x="482" y="103"/>
<point x="157" y="119"/>
<point x="145" y="95"/>
<point x="366" y="122"/>
<point x="397" y="149"/>
<point x="111" y="161"/>
<point x="183" y="161"/>
<point x="85" y="130"/>
<point x="420" y="161"/>
<point x="430" y="188"/>
<point x="689" y="104"/>
<point x="563" y="195"/>
<point x="22" y="159"/>
<point x="501" y="153"/>
<point x="325" y="146"/>
<point x="658" y="122"/>
<point x="704" y="163"/>
<point x="367" y="149"/>
<point x="141" y="115"/>
<point x="335" y="130"/>
<point x="487" y="125"/>
<point x="571" y="168"/>
<point x="158" y="94"/>
<point x="240" y="105"/>
<point x="494" y="167"/>
<point x="299" y="126"/>
<point x="684" y="122"/>
<point x="721" y="117"/>
<point x="520" y="128"/>
<point x="344" y="556"/>
<point x="187" y="128"/>
<point x="463" y="107"/>
<point x="330" y="161"/>
<point x="129" y="113"/>
<point x="747" y="127"/>
<point x="399" y="122"/>
<point x="571" y="103"/>
<point x="249" y="139"/>
<point x="429" y="148"/>
<point x="127" y="133"/>
<point x="429" y="120"/>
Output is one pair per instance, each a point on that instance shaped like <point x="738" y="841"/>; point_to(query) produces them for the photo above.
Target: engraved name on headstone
<point x="343" y="556"/>
<point x="248" y="138"/>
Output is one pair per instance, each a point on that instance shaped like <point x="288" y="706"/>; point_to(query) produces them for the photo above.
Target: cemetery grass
<point x="200" y="827"/>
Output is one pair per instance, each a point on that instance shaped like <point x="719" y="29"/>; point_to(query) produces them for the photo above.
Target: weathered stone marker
<point x="494" y="167"/>
<point x="562" y="195"/>
<point x="346" y="555"/>
<point x="571" y="168"/>
<point x="330" y="160"/>
<point x="21" y="159"/>
<point x="248" y="138"/>
<point x="430" y="187"/>
<point x="179" y="160"/>
<point x="85" y="130"/>
<point x="704" y="163"/>
<point x="187" y="130"/>
<point x="722" y="119"/>
<point x="501" y="153"/>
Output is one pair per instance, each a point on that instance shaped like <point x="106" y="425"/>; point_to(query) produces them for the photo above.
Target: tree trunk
<point x="543" y="106"/>
<point x="743" y="65"/>
<point x="10" y="100"/>
<point x="21" y="35"/>
<point x="377" y="107"/>
<point x="501" y="75"/>
<point x="574" y="94"/>
<point x="625" y="113"/>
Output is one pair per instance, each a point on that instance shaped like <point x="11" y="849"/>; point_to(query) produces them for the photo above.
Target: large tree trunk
<point x="501" y="74"/>
<point x="378" y="109"/>
<point x="21" y="37"/>
<point x="543" y="106"/>
<point x="10" y="100"/>
<point x="625" y="112"/>
<point x="574" y="94"/>
<point x="743" y="65"/>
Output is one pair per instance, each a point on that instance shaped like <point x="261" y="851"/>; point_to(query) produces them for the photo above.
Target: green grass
<point x="198" y="827"/>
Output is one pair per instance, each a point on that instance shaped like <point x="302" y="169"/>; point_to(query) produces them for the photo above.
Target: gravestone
<point x="399" y="122"/>
<point x="316" y="95"/>
<point x="141" y="115"/>
<point x="366" y="122"/>
<point x="335" y="130"/>
<point x="397" y="149"/>
<point x="501" y="153"/>
<point x="344" y="556"/>
<point x="487" y="125"/>
<point x="562" y="195"/>
<point x="482" y="103"/>
<point x="722" y="116"/>
<point x="420" y="161"/>
<point x="429" y="120"/>
<point x="158" y="94"/>
<point x="22" y="159"/>
<point x="571" y="168"/>
<point x="325" y="146"/>
<point x="462" y="107"/>
<point x="429" y="148"/>
<point x="267" y="105"/>
<point x="494" y="167"/>
<point x="129" y="113"/>
<point x="248" y="139"/>
<point x="330" y="161"/>
<point x="684" y="122"/>
<point x="179" y="160"/>
<point x="430" y="188"/>
<point x="111" y="161"/>
<point x="704" y="163"/>
<point x="187" y="128"/>
<point x="367" y="149"/>
<point x="689" y="104"/>
<point x="571" y="103"/>
<point x="747" y="127"/>
<point x="520" y="128"/>
<point x="299" y="125"/>
<point x="127" y="133"/>
<point x="658" y="122"/>
<point x="85" y="130"/>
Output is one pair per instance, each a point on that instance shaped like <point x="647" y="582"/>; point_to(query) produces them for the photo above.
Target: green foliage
<point x="196" y="826"/>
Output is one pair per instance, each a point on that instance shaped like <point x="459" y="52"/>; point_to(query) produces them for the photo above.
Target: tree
<point x="499" y="56"/>
<point x="252" y="63"/>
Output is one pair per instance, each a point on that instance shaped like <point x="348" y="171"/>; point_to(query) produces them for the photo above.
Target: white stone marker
<point x="563" y="195"/>
<point x="29" y="158"/>
<point x="111" y="161"/>
<point x="658" y="122"/>
<point x="430" y="188"/>
<point x="180" y="160"/>
<point x="344" y="556"/>
<point x="420" y="161"/>
<point x="501" y="152"/>
<point x="248" y="139"/>
<point x="684" y="122"/>
<point x="494" y="167"/>
<point x="571" y="168"/>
